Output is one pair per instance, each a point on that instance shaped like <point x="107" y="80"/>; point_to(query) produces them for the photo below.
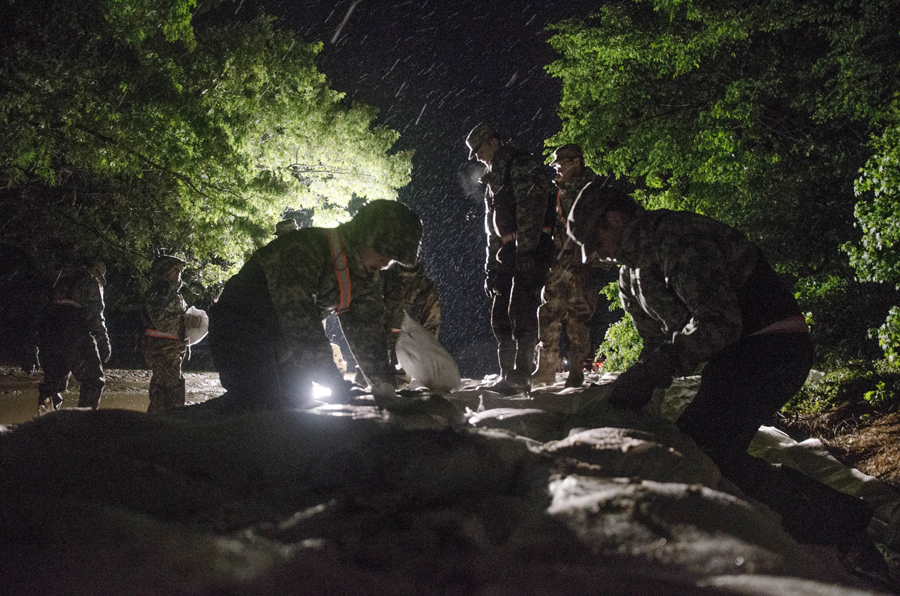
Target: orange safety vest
<point x="341" y="271"/>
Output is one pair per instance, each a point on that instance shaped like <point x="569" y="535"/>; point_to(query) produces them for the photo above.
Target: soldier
<point x="265" y="331"/>
<point x="519" y="250"/>
<point x="572" y="288"/>
<point x="164" y="341"/>
<point x="408" y="289"/>
<point x="73" y="338"/>
<point x="286" y="225"/>
<point x="700" y="292"/>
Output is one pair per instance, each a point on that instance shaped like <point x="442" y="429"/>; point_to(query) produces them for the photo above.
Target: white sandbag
<point x="424" y="359"/>
<point x="194" y="334"/>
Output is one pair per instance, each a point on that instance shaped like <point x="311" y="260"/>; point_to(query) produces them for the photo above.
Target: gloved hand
<point x="104" y="349"/>
<point x="634" y="387"/>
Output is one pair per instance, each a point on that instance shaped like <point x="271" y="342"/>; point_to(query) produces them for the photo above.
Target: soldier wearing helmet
<point x="519" y="249"/>
<point x="73" y="338"/>
<point x="164" y="339"/>
<point x="265" y="331"/>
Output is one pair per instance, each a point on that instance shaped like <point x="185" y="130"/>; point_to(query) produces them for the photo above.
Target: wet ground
<point x="126" y="389"/>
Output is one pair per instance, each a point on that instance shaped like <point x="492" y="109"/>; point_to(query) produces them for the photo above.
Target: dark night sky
<point x="435" y="69"/>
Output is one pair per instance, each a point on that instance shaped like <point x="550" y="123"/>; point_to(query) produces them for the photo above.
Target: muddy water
<point x="125" y="389"/>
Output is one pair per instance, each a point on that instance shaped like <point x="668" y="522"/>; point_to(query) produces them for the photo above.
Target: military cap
<point x="477" y="136"/>
<point x="286" y="225"/>
<point x="567" y="151"/>
<point x="392" y="229"/>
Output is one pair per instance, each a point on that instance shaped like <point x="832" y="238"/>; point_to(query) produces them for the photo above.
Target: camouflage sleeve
<point x="363" y="326"/>
<point x="430" y="309"/>
<point x="92" y="308"/>
<point x="531" y="188"/>
<point x="293" y="275"/>
<point x="647" y="327"/>
<point x="697" y="272"/>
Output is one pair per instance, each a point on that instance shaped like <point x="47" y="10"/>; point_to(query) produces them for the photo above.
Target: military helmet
<point x="286" y="225"/>
<point x="594" y="200"/>
<point x="477" y="136"/>
<point x="567" y="151"/>
<point x="162" y="264"/>
<point x="392" y="229"/>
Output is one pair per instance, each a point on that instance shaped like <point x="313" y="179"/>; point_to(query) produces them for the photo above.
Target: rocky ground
<point x="472" y="493"/>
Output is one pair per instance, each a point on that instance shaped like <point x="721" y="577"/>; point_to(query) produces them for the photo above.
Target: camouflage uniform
<point x="701" y="292"/>
<point x="164" y="345"/>
<point x="516" y="206"/>
<point x="570" y="293"/>
<point x="408" y="289"/>
<point x="265" y="331"/>
<point x="73" y="338"/>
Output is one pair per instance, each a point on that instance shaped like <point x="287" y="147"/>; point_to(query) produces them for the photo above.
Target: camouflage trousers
<point x="67" y="347"/>
<point x="164" y="357"/>
<point x="569" y="297"/>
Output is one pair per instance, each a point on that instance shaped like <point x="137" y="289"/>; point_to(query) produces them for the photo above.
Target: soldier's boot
<point x="89" y="394"/>
<point x="49" y="403"/>
<point x="506" y="354"/>
<point x="520" y="377"/>
<point x="576" y="368"/>
<point x="548" y="360"/>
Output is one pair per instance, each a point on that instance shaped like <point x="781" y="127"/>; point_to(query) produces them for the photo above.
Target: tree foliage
<point x="135" y="126"/>
<point x="757" y="113"/>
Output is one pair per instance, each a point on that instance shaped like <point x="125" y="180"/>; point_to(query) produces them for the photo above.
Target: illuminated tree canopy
<point x="133" y="126"/>
<point x="757" y="113"/>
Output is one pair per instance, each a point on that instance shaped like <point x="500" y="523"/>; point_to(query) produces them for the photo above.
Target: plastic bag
<point x="424" y="359"/>
<point x="195" y="334"/>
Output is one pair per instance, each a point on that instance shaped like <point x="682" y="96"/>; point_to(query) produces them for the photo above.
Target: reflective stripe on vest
<point x="155" y="333"/>
<point x="341" y="272"/>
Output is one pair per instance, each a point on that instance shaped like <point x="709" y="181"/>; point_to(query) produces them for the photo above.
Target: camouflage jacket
<point x="295" y="276"/>
<point x="165" y="307"/>
<point x="694" y="286"/>
<point x="568" y="254"/>
<point x="408" y="289"/>
<point x="515" y="202"/>
<point x="81" y="290"/>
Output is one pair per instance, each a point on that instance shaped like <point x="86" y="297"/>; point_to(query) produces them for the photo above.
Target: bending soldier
<point x="73" y="338"/>
<point x="700" y="292"/>
<point x="265" y="331"/>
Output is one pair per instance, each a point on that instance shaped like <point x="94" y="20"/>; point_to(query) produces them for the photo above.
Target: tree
<point x="137" y="126"/>
<point x="877" y="256"/>
<point x="756" y="113"/>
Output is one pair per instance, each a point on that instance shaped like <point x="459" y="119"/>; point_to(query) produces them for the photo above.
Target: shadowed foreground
<point x="473" y="494"/>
